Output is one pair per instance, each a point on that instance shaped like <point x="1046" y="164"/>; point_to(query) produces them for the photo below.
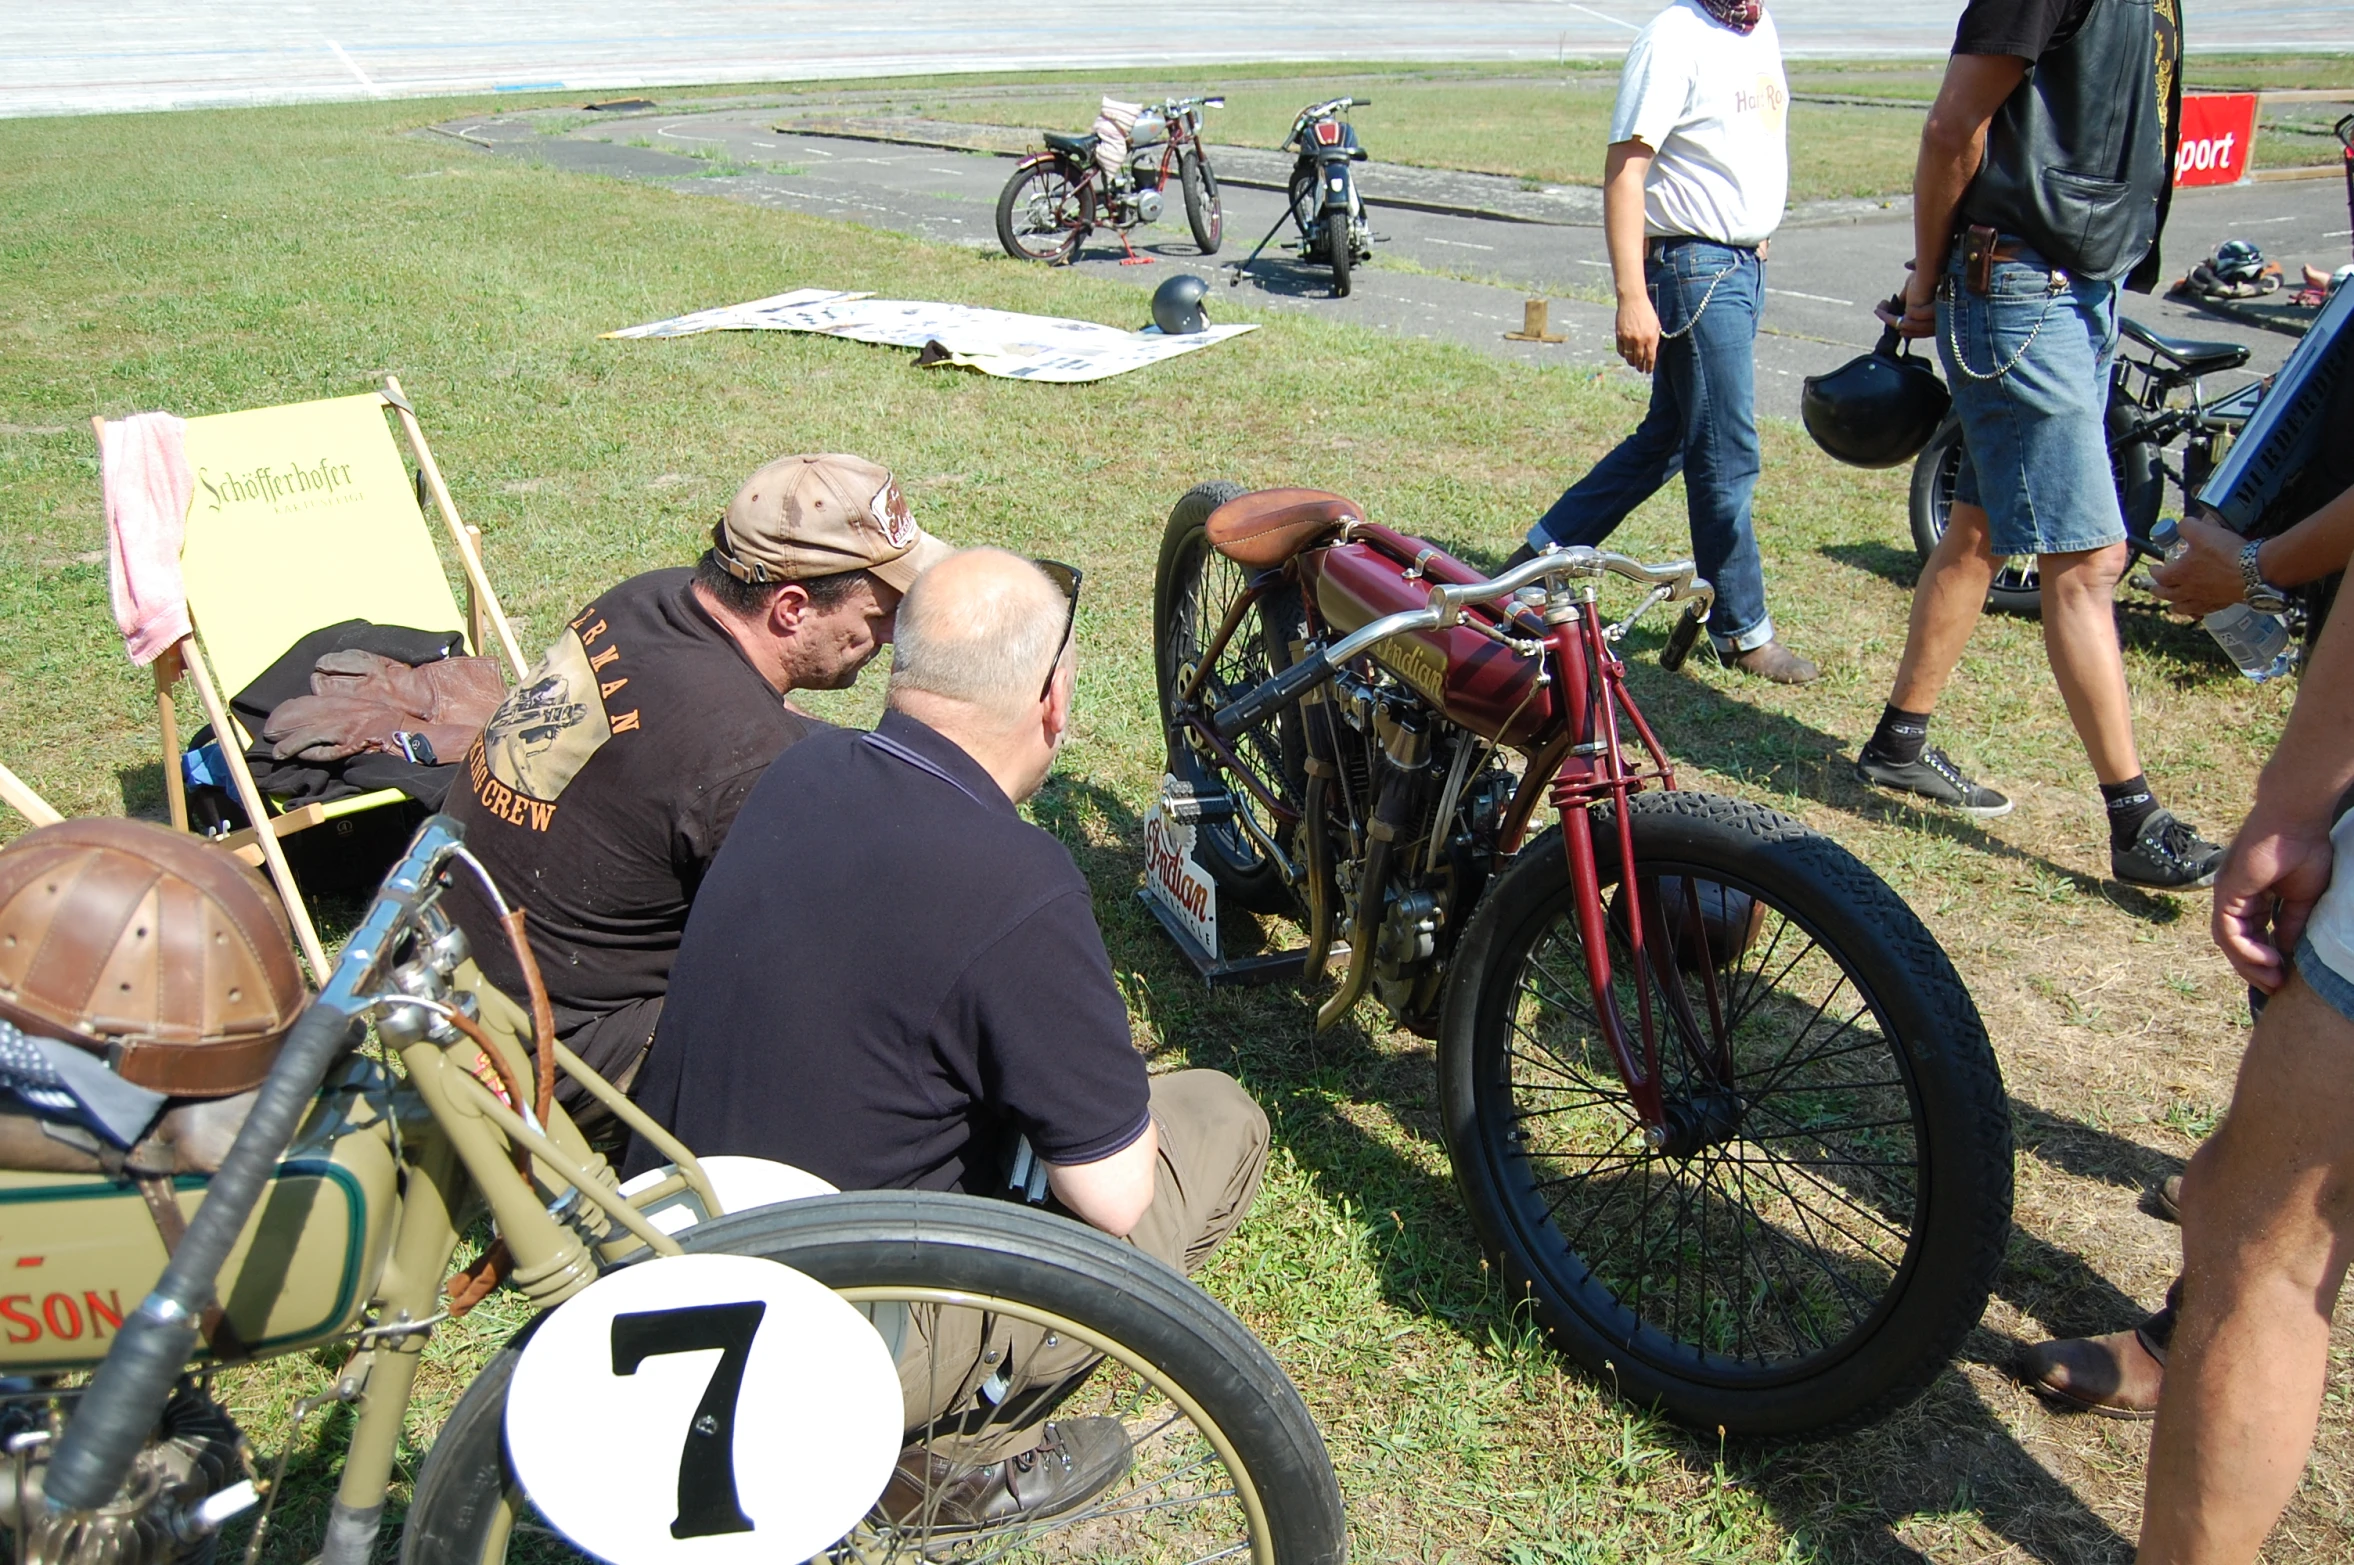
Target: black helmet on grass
<point x="1177" y="305"/>
<point x="1878" y="410"/>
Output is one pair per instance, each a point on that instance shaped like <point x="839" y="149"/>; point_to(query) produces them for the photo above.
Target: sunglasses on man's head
<point x="1068" y="578"/>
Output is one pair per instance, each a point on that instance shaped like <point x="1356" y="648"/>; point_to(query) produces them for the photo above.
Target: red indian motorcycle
<point x="1723" y="1112"/>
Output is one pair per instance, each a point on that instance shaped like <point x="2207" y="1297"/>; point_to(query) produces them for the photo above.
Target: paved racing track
<point x="156" y="54"/>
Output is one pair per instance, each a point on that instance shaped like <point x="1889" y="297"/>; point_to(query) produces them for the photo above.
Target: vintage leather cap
<point x="151" y="947"/>
<point x="1878" y="410"/>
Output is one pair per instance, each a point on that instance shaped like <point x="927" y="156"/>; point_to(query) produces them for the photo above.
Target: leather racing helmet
<point x="153" y="948"/>
<point x="1878" y="410"/>
<point x="1177" y="305"/>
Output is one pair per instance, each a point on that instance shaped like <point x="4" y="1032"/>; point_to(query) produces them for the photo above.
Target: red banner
<point x="2218" y="135"/>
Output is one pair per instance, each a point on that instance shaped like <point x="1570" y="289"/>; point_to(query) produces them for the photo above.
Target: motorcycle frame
<point x="554" y="1199"/>
<point x="1579" y="763"/>
<point x="1184" y="132"/>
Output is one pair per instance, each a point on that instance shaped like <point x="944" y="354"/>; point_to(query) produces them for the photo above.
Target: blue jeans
<point x="1703" y="423"/>
<point x="2035" y="447"/>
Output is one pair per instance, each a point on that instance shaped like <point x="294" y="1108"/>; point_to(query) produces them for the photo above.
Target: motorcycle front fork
<point x="1596" y="771"/>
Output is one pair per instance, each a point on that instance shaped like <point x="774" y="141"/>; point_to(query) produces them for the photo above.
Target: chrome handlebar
<point x="1678" y="581"/>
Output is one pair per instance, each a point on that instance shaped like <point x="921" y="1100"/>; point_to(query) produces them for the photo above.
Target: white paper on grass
<point x="995" y="342"/>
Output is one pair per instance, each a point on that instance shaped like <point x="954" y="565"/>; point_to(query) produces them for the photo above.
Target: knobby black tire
<point x="1191" y="587"/>
<point x="1336" y="250"/>
<point x="1014" y="199"/>
<point x="1205" y="213"/>
<point x="986" y="1249"/>
<point x="1938" y="1123"/>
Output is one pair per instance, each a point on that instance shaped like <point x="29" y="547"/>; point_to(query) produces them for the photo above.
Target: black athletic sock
<point x="1900" y="736"/>
<point x="2130" y="803"/>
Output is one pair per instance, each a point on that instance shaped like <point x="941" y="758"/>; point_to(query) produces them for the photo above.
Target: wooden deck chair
<point x="18" y="795"/>
<point x="304" y="516"/>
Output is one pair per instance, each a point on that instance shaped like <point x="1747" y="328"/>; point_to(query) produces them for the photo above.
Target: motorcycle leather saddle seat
<point x="1076" y="146"/>
<point x="2198" y="358"/>
<point x="189" y="1137"/>
<point x="1262" y="529"/>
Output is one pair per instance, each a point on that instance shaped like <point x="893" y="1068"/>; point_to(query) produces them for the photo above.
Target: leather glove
<point x="462" y="692"/>
<point x="320" y="729"/>
<point x="331" y="727"/>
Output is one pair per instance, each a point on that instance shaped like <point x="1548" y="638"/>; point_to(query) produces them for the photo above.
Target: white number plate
<point x="1173" y="879"/>
<point x="704" y="1410"/>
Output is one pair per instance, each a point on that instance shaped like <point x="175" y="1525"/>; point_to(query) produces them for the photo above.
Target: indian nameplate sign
<point x="1172" y="878"/>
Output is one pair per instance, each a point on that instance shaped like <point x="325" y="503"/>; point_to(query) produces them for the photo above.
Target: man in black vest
<point x="2043" y="181"/>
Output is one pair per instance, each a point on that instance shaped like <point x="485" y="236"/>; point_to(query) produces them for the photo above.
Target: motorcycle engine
<point x="157" y="1517"/>
<point x="1144" y="177"/>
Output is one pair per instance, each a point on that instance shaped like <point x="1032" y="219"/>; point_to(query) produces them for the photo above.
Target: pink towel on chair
<point x="145" y="463"/>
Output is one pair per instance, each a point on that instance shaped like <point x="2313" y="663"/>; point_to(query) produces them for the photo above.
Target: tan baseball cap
<point x="803" y="516"/>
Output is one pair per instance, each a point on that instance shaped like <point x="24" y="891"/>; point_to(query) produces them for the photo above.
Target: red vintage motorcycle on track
<point x="1722" y="1110"/>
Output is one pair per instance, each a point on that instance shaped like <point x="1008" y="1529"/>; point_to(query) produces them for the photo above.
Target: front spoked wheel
<point x="1226" y="1463"/>
<point x="1195" y="588"/>
<point x="1817" y="1228"/>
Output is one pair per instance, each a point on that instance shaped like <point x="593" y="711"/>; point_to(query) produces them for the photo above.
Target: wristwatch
<point x="2262" y="595"/>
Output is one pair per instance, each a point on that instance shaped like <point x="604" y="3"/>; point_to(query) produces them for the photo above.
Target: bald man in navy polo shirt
<point x="889" y="977"/>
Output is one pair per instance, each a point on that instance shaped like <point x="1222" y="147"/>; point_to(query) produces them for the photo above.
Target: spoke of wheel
<point x="1901" y="1236"/>
<point x="1771" y="1242"/>
<point x="1607" y="1201"/>
<point x="1783" y="1067"/>
<point x="1814" y="1251"/>
<point x="1740" y="1008"/>
<point x="1554" y="1062"/>
<point x="1820" y="1007"/>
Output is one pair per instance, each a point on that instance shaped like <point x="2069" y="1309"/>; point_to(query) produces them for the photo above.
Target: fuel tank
<point x="1487" y="688"/>
<point x="79" y="1251"/>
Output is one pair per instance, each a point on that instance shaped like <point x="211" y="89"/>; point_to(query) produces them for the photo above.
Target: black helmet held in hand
<point x="1878" y="410"/>
<point x="1177" y="305"/>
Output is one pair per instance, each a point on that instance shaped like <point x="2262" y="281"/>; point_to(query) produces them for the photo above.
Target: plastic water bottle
<point x="2258" y="643"/>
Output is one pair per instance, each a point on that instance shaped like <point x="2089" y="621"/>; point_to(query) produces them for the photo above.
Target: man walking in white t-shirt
<point x="1693" y="184"/>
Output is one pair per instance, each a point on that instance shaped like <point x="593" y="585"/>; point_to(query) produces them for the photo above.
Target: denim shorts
<point x="2035" y="449"/>
<point x="2325" y="956"/>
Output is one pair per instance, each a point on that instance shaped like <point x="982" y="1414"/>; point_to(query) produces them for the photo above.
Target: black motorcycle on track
<point x="1324" y="199"/>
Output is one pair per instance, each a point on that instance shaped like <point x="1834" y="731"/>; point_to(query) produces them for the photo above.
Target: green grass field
<point x="207" y="262"/>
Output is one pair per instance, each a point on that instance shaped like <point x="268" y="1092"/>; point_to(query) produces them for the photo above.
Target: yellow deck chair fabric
<point x="302" y="517"/>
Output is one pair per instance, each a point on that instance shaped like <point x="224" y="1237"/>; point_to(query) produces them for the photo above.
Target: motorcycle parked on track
<point x="1323" y="189"/>
<point x="331" y="1221"/>
<point x="1056" y="198"/>
<point x="1723" y="1112"/>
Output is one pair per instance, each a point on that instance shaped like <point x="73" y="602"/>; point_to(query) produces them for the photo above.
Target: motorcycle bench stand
<point x="1183" y="898"/>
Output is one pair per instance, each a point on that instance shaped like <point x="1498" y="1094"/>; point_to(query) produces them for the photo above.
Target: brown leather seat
<point x="1268" y="526"/>
<point x="190" y="1137"/>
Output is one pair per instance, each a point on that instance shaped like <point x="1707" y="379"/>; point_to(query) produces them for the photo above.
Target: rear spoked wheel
<point x="1807" y="1243"/>
<point x="1194" y="590"/>
<point x="1225" y="1462"/>
<point x="1038" y="213"/>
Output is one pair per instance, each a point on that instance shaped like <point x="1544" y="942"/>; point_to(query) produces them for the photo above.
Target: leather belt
<point x="1659" y="244"/>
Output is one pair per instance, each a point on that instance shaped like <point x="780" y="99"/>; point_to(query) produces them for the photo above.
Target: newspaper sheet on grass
<point x="995" y="342"/>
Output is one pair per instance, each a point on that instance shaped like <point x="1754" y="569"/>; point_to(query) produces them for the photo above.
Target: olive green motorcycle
<point x="412" y="1098"/>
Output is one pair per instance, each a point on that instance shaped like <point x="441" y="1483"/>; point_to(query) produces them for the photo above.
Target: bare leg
<point x="1946" y="604"/>
<point x="2080" y="638"/>
<point x="2268" y="1230"/>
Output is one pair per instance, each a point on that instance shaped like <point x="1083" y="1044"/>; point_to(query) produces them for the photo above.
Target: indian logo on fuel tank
<point x="1418" y="664"/>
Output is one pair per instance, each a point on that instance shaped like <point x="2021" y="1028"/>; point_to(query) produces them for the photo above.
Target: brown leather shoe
<point x="2167" y="1198"/>
<point x="2116" y="1376"/>
<point x="1078" y="1460"/>
<point x="1776" y="662"/>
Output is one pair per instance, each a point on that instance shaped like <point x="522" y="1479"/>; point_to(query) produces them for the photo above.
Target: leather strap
<point x="163" y="1204"/>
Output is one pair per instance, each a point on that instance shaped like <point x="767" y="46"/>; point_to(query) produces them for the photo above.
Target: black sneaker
<point x="2167" y="856"/>
<point x="1932" y="777"/>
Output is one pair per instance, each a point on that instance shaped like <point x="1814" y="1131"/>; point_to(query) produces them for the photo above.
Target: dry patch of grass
<point x="231" y="260"/>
